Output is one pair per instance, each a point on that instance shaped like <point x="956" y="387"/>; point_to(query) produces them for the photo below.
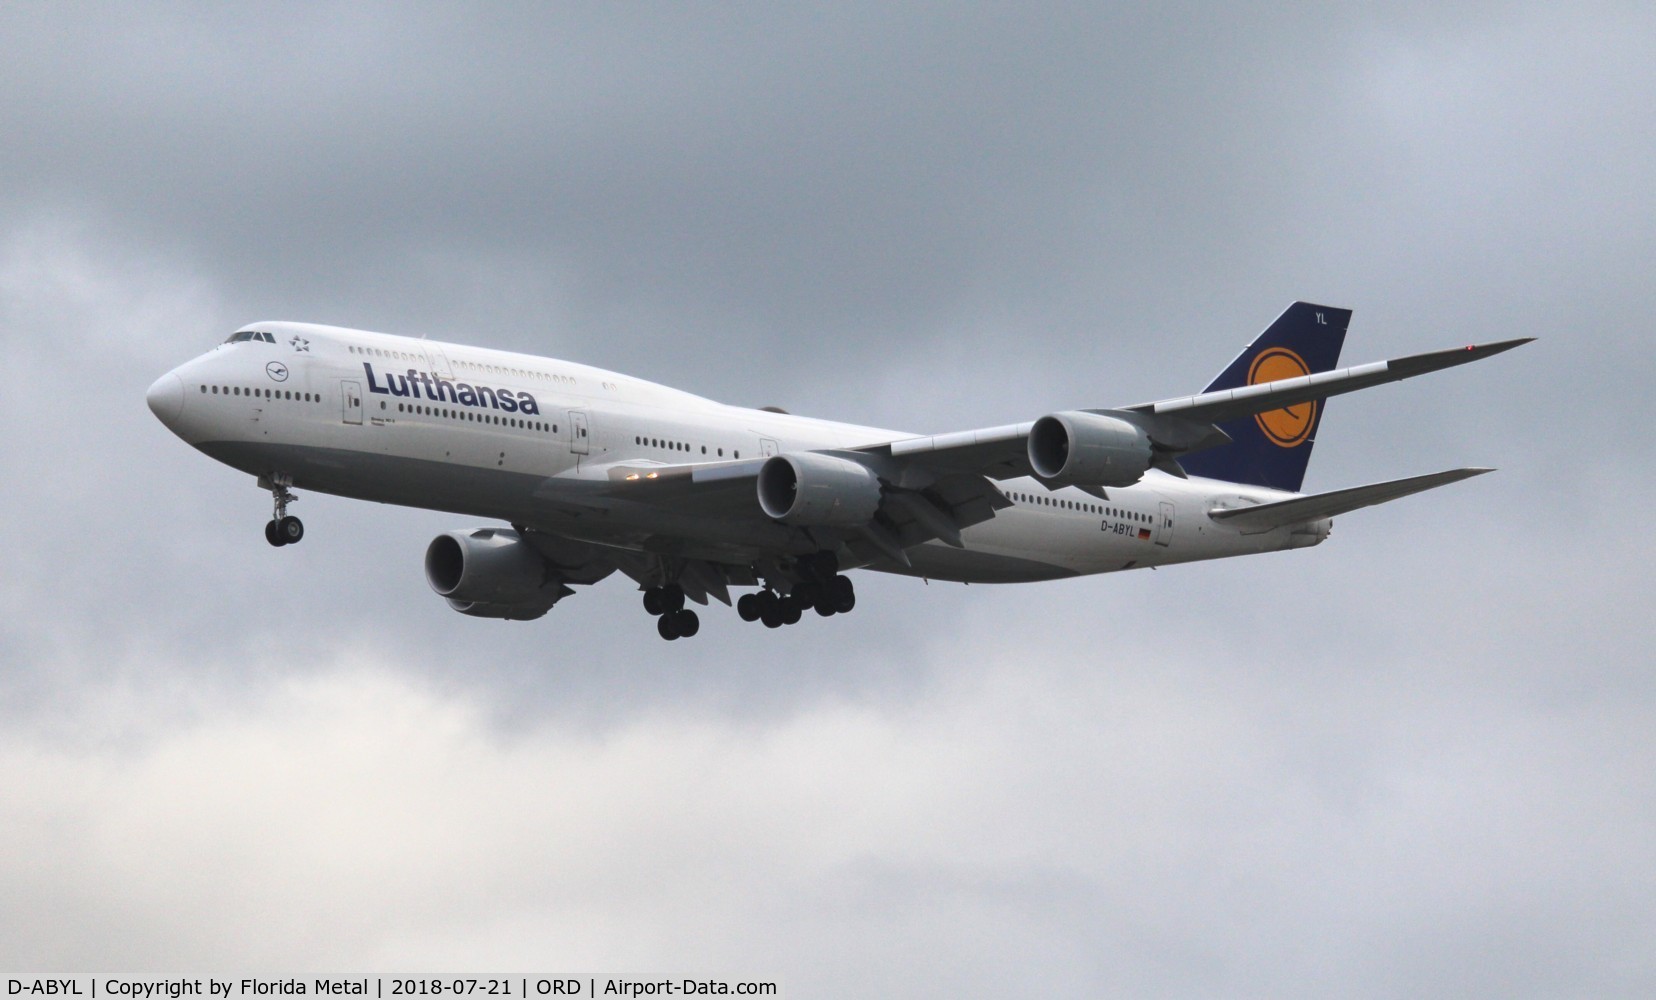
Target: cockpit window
<point x="236" y="338"/>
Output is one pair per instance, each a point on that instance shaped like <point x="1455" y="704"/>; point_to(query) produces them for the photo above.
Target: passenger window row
<point x="236" y="390"/>
<point x="1076" y="505"/>
<point x="448" y="413"/>
<point x="645" y="442"/>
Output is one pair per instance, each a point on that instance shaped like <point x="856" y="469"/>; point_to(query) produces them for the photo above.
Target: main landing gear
<point x="673" y="619"/>
<point x="283" y="528"/>
<point x="821" y="588"/>
<point x="816" y="585"/>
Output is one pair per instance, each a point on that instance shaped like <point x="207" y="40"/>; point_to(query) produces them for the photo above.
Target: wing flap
<point x="1299" y="510"/>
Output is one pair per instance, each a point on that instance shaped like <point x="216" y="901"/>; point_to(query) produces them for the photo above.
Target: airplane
<point x="596" y="472"/>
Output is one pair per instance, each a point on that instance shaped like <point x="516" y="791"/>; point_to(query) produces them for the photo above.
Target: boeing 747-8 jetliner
<point x="597" y="472"/>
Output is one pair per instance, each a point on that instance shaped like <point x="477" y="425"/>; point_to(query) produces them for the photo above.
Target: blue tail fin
<point x="1272" y="449"/>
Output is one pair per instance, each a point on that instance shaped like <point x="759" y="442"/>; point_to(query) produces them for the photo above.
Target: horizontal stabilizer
<point x="1299" y="510"/>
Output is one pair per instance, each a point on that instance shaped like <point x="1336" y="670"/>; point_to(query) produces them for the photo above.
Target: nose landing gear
<point x="283" y="528"/>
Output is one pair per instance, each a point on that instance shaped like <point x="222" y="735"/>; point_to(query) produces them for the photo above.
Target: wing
<point x="1180" y="425"/>
<point x="703" y="522"/>
<point x="1228" y="404"/>
<point x="915" y="505"/>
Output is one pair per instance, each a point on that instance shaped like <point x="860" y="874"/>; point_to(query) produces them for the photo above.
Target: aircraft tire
<point x="653" y="602"/>
<point x="807" y="592"/>
<point x="747" y="606"/>
<point x="843" y="594"/>
<point x="825" y="606"/>
<point x="686" y="623"/>
<point x="665" y="627"/>
<point x="791" y="611"/>
<point x="270" y="534"/>
<point x="290" y="529"/>
<point x="673" y="597"/>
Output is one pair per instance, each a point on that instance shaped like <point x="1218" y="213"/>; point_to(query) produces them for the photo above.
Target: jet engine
<point x="815" y="490"/>
<point x="491" y="573"/>
<point x="1077" y="448"/>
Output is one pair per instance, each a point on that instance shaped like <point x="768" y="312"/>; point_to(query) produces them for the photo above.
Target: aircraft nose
<point x="166" y="398"/>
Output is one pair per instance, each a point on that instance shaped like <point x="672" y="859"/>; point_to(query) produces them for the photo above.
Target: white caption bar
<point x="517" y="986"/>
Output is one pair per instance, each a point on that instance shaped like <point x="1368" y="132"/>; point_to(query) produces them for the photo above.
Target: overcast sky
<point x="1417" y="760"/>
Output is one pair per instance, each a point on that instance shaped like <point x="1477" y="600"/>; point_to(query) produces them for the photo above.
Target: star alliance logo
<point x="300" y="343"/>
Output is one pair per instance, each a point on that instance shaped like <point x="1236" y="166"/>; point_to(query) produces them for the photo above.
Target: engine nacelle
<point x="816" y="490"/>
<point x="512" y="612"/>
<point x="1088" y="449"/>
<point x="491" y="573"/>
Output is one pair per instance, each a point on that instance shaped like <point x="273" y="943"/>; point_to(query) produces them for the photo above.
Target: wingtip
<point x="1460" y="475"/>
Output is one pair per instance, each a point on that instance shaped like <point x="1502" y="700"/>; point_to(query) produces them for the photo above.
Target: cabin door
<point x="580" y="435"/>
<point x="350" y="401"/>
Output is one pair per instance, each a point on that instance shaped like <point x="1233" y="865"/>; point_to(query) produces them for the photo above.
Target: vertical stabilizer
<point x="1272" y="449"/>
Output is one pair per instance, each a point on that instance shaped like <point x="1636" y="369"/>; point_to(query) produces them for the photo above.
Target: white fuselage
<point x="530" y="440"/>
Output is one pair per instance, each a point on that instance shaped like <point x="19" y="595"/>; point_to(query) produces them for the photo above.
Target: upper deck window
<point x="259" y="335"/>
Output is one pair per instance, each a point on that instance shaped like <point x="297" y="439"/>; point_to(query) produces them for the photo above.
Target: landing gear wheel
<point x="748" y="607"/>
<point x="270" y="534"/>
<point x="770" y="609"/>
<point x="842" y="594"/>
<point x="790" y="611"/>
<point x="807" y="592"/>
<point x="290" y="529"/>
<point x="654" y="602"/>
<point x="826" y="564"/>
<point x="825" y="606"/>
<point x="672" y="597"/>
<point x="685" y="622"/>
<point x="667" y="627"/>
